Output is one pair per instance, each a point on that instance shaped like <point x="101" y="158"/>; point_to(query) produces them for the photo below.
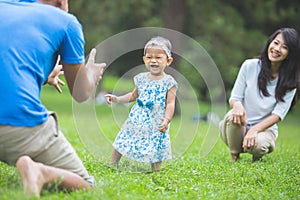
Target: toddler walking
<point x="144" y="137"/>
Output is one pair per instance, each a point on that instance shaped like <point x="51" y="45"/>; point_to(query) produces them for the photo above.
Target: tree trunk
<point x="174" y="19"/>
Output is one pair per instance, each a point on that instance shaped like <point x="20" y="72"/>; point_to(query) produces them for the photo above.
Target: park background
<point x="230" y="31"/>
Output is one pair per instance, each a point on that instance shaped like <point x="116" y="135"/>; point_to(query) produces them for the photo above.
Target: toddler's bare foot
<point x="156" y="167"/>
<point x="31" y="175"/>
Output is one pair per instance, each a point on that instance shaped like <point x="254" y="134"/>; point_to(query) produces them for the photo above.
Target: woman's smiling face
<point x="278" y="50"/>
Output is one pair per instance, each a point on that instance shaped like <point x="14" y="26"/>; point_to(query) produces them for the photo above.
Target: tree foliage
<point x="231" y="31"/>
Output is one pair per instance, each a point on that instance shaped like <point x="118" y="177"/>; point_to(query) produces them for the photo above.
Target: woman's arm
<point x="238" y="94"/>
<point x="277" y="115"/>
<point x="266" y="123"/>
<point x="250" y="140"/>
<point x="83" y="78"/>
<point x="238" y="113"/>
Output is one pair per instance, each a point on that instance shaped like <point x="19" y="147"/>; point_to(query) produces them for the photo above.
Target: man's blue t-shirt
<point x="32" y="35"/>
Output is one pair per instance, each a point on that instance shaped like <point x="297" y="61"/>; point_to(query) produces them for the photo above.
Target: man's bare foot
<point x="31" y="175"/>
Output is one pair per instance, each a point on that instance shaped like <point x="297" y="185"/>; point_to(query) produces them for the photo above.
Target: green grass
<point x="191" y="176"/>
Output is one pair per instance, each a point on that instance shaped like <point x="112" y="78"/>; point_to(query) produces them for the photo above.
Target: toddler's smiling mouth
<point x="154" y="66"/>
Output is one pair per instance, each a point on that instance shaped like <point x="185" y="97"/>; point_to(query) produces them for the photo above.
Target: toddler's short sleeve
<point x="137" y="79"/>
<point x="172" y="82"/>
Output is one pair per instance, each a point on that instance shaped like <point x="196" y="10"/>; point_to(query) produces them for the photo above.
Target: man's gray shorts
<point x="43" y="143"/>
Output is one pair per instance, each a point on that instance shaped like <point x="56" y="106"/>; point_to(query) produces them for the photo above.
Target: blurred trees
<point x="230" y="31"/>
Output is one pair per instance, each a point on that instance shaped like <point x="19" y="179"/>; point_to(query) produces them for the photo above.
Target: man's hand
<point x="95" y="70"/>
<point x="53" y="78"/>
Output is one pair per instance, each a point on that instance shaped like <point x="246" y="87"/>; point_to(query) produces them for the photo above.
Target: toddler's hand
<point x="110" y="98"/>
<point x="164" y="126"/>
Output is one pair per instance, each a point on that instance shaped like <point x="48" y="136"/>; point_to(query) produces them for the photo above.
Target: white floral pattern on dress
<point x="139" y="138"/>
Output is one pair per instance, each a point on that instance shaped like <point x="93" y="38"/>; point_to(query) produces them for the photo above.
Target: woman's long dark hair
<point x="289" y="70"/>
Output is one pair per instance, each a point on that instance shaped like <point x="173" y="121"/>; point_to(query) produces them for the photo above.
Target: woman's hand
<point x="164" y="126"/>
<point x="250" y="140"/>
<point x="238" y="114"/>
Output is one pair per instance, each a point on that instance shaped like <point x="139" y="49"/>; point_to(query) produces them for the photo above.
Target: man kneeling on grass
<point x="33" y="34"/>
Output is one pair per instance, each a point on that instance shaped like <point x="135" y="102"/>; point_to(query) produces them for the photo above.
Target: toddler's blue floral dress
<point x="139" y="138"/>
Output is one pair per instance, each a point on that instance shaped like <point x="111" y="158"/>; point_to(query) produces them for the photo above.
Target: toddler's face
<point x="156" y="60"/>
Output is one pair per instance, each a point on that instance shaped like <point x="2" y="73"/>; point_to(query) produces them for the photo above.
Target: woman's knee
<point x="265" y="144"/>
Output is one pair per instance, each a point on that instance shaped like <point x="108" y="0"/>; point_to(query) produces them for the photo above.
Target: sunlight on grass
<point x="189" y="176"/>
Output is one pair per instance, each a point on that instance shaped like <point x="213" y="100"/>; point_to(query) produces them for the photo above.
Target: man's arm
<point x="83" y="78"/>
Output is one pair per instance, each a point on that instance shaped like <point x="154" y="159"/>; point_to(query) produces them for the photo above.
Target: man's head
<point x="62" y="4"/>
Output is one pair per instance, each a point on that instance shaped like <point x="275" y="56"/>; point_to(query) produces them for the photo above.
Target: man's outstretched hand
<point x="53" y="78"/>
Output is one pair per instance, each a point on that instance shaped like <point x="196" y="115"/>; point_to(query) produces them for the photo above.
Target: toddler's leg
<point x="115" y="157"/>
<point x="156" y="166"/>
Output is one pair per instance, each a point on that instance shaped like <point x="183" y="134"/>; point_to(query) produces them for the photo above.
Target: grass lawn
<point x="191" y="176"/>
